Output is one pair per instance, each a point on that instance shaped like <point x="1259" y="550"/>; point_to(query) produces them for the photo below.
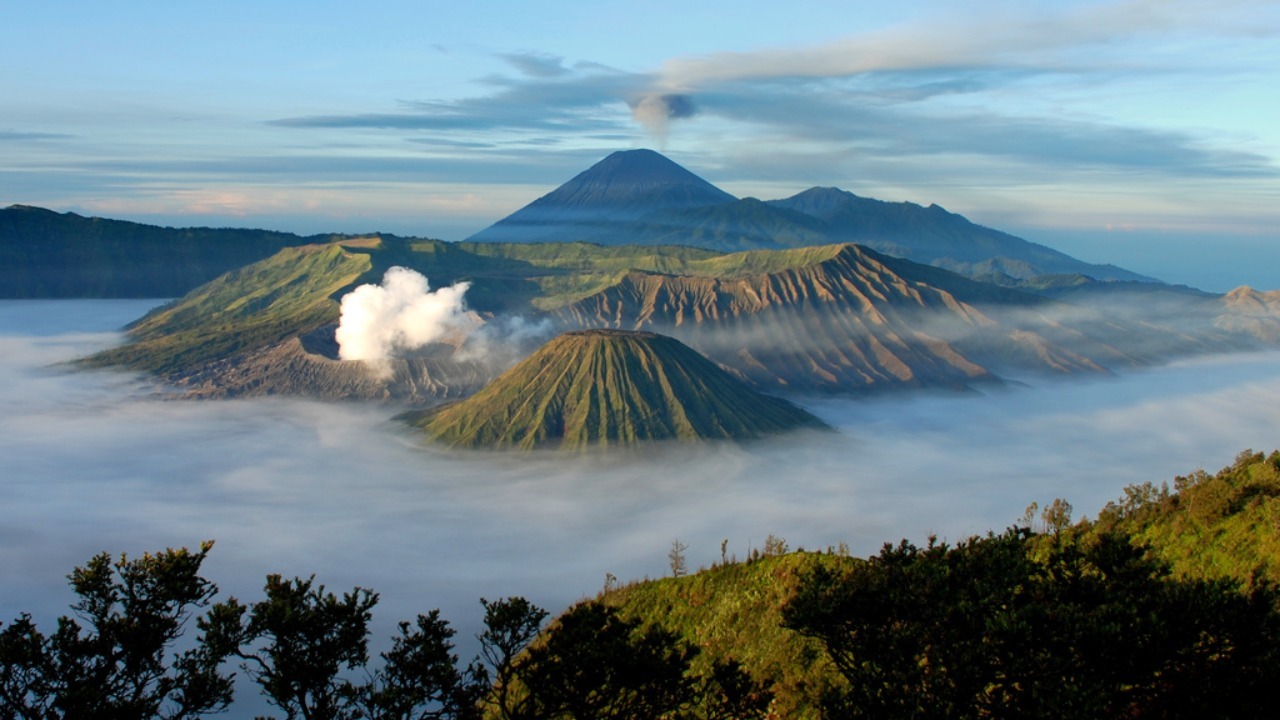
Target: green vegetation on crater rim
<point x="298" y="289"/>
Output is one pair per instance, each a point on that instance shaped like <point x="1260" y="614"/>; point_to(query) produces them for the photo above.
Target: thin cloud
<point x="538" y="65"/>
<point x="14" y="135"/>
<point x="999" y="36"/>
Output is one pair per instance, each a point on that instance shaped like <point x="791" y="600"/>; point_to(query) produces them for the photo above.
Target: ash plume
<point x="655" y="112"/>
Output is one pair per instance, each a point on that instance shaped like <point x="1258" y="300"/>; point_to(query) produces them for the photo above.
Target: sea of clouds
<point x="97" y="461"/>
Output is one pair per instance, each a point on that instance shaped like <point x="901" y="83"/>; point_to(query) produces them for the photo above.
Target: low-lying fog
<point x="91" y="462"/>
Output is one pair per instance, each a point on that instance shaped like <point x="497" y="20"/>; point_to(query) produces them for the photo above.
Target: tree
<point x="419" y="678"/>
<point x="676" y="558"/>
<point x="304" y="637"/>
<point x="595" y="665"/>
<point x="1016" y="625"/>
<point x="728" y="692"/>
<point x="510" y="624"/>
<point x="117" y="664"/>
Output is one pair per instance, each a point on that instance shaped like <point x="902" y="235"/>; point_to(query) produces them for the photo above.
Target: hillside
<point x="838" y="318"/>
<point x="1151" y="567"/>
<point x="44" y="254"/>
<point x="609" y="388"/>
<point x="1221" y="525"/>
<point x="733" y="610"/>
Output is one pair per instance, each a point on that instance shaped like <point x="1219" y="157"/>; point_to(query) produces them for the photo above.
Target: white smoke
<point x="504" y="341"/>
<point x="380" y="322"/>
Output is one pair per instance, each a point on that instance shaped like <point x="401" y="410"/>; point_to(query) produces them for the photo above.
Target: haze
<point x="1137" y="132"/>
<point x="93" y="462"/>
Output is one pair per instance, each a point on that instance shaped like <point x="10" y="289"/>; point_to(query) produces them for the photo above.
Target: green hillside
<point x="264" y="303"/>
<point x="1164" y="606"/>
<point x="734" y="611"/>
<point x="1211" y="526"/>
<point x="609" y="388"/>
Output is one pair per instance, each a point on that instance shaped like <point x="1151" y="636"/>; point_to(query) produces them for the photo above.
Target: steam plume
<point x="379" y="322"/>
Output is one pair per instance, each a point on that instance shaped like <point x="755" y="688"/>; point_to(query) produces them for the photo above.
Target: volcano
<point x="609" y="196"/>
<point x="611" y="388"/>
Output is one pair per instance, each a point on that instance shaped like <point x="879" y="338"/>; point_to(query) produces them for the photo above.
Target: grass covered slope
<point x="286" y="295"/>
<point x="600" y="388"/>
<point x="1224" y="525"/>
<point x="1162" y="607"/>
<point x="734" y="611"/>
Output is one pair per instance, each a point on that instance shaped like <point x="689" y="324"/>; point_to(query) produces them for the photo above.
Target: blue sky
<point x="1143" y="133"/>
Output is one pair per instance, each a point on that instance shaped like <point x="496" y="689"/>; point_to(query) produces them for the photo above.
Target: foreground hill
<point x="44" y="254"/>
<point x="1224" y="525"/>
<point x="1187" y="573"/>
<point x="639" y="197"/>
<point x="610" y="388"/>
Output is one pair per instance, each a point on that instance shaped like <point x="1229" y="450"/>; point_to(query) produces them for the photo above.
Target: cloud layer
<point x="91" y="463"/>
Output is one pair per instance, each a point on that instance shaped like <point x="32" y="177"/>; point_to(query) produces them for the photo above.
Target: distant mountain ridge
<point x="45" y="254"/>
<point x="639" y="197"/>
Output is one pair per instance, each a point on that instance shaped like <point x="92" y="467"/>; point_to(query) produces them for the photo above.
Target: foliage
<point x="116" y="665"/>
<point x="1002" y="626"/>
<point x="1225" y="525"/>
<point x="298" y="640"/>
<point x="510" y="624"/>
<point x="595" y="665"/>
<point x="732" y="613"/>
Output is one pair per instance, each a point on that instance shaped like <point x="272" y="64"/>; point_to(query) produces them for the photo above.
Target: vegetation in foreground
<point x="1111" y="618"/>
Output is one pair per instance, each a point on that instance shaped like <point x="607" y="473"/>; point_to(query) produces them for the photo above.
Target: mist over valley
<point x="97" y="461"/>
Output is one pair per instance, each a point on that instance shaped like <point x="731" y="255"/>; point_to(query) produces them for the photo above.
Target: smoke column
<point x="402" y="314"/>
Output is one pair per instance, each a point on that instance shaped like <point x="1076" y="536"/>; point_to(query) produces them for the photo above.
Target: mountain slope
<point x="836" y="318"/>
<point x="619" y="189"/>
<point x="602" y="388"/>
<point x="842" y="318"/>
<point x="933" y="236"/>
<point x="639" y="197"/>
<point x="44" y="254"/>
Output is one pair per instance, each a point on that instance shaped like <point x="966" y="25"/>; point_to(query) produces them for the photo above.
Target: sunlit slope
<point x="603" y="388"/>
<point x="834" y="318"/>
<point x="1250" y="311"/>
<point x="285" y="296"/>
<point x="1221" y="525"/>
<point x="837" y="317"/>
<point x="732" y="611"/>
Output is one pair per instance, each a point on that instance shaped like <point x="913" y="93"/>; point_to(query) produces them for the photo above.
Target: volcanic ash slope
<point x="611" y="388"/>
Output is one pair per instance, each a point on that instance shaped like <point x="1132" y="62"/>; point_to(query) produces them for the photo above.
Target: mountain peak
<point x="621" y="188"/>
<point x="602" y="388"/>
